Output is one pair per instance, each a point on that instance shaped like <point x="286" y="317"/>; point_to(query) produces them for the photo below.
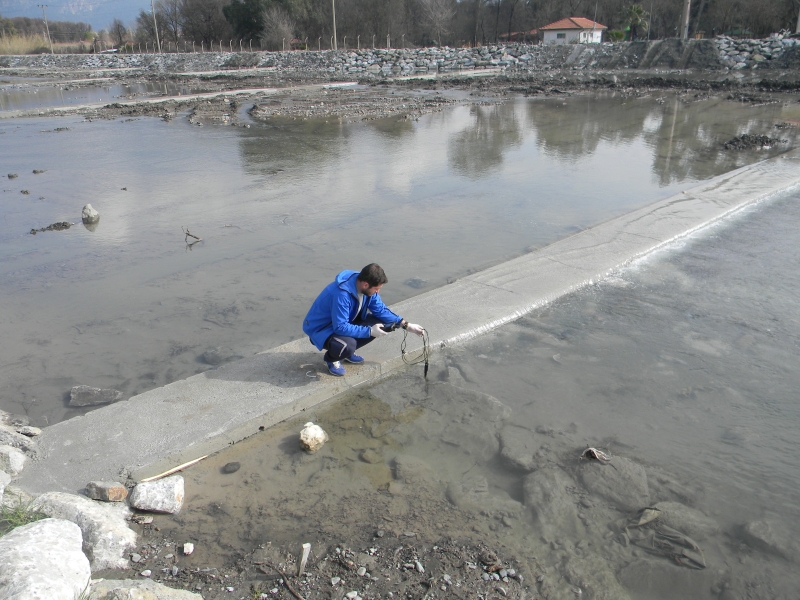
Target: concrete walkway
<point x="168" y="426"/>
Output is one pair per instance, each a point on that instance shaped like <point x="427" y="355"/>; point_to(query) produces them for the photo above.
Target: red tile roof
<point x="574" y="23"/>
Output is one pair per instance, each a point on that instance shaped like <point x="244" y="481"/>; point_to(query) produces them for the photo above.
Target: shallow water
<point x="283" y="206"/>
<point x="27" y="94"/>
<point x="683" y="363"/>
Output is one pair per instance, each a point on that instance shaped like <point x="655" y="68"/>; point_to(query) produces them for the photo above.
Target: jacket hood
<point x="346" y="280"/>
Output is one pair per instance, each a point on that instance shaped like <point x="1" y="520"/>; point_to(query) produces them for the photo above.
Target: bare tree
<point x="170" y="18"/>
<point x="203" y="20"/>
<point x="118" y="32"/>
<point x="278" y="26"/>
<point x="438" y="14"/>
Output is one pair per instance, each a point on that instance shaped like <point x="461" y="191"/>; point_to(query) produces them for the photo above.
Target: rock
<point x="312" y="438"/>
<point x="13" y="175"/>
<point x="371" y="456"/>
<point x="412" y="470"/>
<point x="135" y="558"/>
<point x="687" y="520"/>
<point x="188" y="548"/>
<point x="29" y="431"/>
<point x="664" y="580"/>
<point x="5" y="479"/>
<point x="217" y="356"/>
<point x="107" y="491"/>
<point x="546" y="495"/>
<point x="164" y="495"/>
<point x="621" y="481"/>
<point x="90" y="215"/>
<point x="772" y="537"/>
<point x="107" y="539"/>
<point x="146" y="573"/>
<point x="12" y="461"/>
<point x="43" y="561"/>
<point x="517" y="447"/>
<point x="10" y="437"/>
<point x="83" y="395"/>
<point x="231" y="467"/>
<point x="11" y="420"/>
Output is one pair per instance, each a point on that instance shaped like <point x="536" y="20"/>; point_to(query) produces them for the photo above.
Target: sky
<point x="99" y="13"/>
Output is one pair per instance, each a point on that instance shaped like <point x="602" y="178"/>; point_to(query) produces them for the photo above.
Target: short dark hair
<point x="373" y="275"/>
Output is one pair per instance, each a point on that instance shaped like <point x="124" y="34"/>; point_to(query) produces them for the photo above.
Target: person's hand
<point x="414" y="328"/>
<point x="376" y="331"/>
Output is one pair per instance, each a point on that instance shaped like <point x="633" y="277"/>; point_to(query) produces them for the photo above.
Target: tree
<point x="246" y="17"/>
<point x="636" y="18"/>
<point x="438" y="15"/>
<point x="170" y="19"/>
<point x="278" y="26"/>
<point x="118" y="32"/>
<point x="203" y="21"/>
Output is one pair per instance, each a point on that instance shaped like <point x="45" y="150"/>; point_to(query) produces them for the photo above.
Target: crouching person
<point x="349" y="314"/>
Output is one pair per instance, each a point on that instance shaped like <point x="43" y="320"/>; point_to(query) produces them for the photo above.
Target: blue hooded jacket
<point x="336" y="308"/>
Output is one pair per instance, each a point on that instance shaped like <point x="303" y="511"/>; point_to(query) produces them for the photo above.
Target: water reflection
<point x="478" y="149"/>
<point x="295" y="201"/>
<point x="31" y="95"/>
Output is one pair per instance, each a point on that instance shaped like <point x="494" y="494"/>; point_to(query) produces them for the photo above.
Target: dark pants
<point x="342" y="347"/>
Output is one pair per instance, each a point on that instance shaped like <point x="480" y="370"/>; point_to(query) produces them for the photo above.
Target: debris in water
<point x="595" y="454"/>
<point x="54" y="227"/>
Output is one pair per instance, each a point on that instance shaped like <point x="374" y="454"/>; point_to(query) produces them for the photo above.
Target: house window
<point x="561" y="36"/>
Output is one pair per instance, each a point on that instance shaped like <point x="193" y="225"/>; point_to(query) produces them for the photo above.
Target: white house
<point x="573" y="30"/>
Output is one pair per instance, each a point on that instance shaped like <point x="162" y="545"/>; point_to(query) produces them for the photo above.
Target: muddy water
<point x="27" y="94"/>
<point x="682" y="368"/>
<point x="284" y="205"/>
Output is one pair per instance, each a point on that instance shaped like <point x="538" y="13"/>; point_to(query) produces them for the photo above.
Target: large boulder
<point x="106" y="535"/>
<point x="163" y="496"/>
<point x="144" y="589"/>
<point x="43" y="561"/>
<point x="12" y="461"/>
<point x="84" y="395"/>
<point x="687" y="520"/>
<point x="620" y="481"/>
<point x="547" y="494"/>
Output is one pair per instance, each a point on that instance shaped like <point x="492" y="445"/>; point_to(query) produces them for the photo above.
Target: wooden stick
<point x="286" y="581"/>
<point x="174" y="469"/>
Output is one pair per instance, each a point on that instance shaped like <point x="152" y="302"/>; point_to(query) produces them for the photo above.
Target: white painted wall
<point x="573" y="36"/>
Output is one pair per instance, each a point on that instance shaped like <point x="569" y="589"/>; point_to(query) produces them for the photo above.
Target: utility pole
<point x="335" y="43"/>
<point x="155" y="25"/>
<point x="685" y="20"/>
<point x="46" y="26"/>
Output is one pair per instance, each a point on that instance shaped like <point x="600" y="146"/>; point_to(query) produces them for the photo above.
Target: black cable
<point x="426" y="351"/>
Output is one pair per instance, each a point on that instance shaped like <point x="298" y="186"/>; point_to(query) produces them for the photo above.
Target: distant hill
<point x="98" y="13"/>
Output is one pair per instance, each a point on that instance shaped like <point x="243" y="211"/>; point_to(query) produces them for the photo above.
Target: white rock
<point x="146" y="573"/>
<point x="90" y="215"/>
<point x="164" y="495"/>
<point x="107" y="539"/>
<point x="43" y="561"/>
<point x="312" y="438"/>
<point x="188" y="548"/>
<point x="12" y="461"/>
<point x="138" y="589"/>
<point x="5" y="479"/>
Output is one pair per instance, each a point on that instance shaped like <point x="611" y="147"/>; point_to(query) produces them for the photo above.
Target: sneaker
<point x="355" y="359"/>
<point x="335" y="368"/>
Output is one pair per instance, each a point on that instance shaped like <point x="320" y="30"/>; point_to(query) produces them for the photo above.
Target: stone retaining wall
<point x="719" y="54"/>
